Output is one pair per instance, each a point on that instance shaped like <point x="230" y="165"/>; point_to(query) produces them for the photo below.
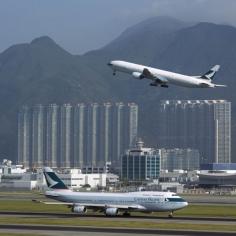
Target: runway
<point x="58" y="230"/>
<point x="120" y="217"/>
<point x="96" y="231"/>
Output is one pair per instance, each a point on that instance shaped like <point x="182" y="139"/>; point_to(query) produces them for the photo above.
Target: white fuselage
<point x="140" y="201"/>
<point x="169" y="77"/>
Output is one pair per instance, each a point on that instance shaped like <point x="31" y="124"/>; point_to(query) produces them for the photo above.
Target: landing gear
<point x="126" y="213"/>
<point x="153" y="84"/>
<point x="114" y="73"/>
<point x="171" y="215"/>
<point x="164" y="86"/>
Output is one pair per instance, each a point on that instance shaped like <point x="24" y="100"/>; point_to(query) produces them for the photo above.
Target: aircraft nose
<point x="109" y="63"/>
<point x="185" y="204"/>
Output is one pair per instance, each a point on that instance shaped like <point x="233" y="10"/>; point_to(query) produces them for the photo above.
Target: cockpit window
<point x="174" y="199"/>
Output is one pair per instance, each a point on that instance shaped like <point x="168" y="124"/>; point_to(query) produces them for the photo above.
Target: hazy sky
<point x="82" y="25"/>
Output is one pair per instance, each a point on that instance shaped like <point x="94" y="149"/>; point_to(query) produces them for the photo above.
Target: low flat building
<point x="15" y="176"/>
<point x="7" y="168"/>
<point x="179" y="158"/>
<point x="75" y="179"/>
<point x="26" y="181"/>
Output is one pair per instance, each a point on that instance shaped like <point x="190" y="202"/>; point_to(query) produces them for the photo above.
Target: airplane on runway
<point x="110" y="203"/>
<point x="163" y="78"/>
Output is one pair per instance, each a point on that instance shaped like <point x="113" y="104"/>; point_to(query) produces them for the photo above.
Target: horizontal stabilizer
<point x="53" y="203"/>
<point x="220" y="85"/>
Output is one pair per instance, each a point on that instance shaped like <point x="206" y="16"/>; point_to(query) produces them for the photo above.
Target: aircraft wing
<point x="93" y="205"/>
<point x="156" y="79"/>
<point x="118" y="206"/>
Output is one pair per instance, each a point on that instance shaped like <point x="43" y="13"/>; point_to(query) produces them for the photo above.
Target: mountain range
<point x="43" y="72"/>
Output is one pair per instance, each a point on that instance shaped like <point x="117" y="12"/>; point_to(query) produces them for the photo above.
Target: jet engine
<point x="79" y="209"/>
<point x="112" y="211"/>
<point x="137" y="75"/>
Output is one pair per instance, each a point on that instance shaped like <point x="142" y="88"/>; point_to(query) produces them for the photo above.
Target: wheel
<point x="164" y="86"/>
<point x="126" y="214"/>
<point x="171" y="215"/>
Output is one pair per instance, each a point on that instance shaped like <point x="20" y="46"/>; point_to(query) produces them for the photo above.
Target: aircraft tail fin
<point x="209" y="75"/>
<point x="53" y="181"/>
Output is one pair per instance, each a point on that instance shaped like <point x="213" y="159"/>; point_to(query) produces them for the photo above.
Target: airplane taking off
<point x="163" y="78"/>
<point x="110" y="203"/>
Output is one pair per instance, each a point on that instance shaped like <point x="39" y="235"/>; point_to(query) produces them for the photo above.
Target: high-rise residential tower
<point x="125" y="129"/>
<point x="52" y="133"/>
<point x="24" y="136"/>
<point x="199" y="124"/>
<point x="92" y="140"/>
<point x="132" y="123"/>
<point x="79" y="135"/>
<point x="105" y="134"/>
<point x="76" y="136"/>
<point x="38" y="135"/>
<point x="66" y="125"/>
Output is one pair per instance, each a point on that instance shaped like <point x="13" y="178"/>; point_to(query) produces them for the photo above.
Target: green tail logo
<point x="53" y="181"/>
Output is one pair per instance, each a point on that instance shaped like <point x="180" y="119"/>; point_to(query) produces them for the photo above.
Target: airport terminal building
<point x="218" y="175"/>
<point x="217" y="179"/>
